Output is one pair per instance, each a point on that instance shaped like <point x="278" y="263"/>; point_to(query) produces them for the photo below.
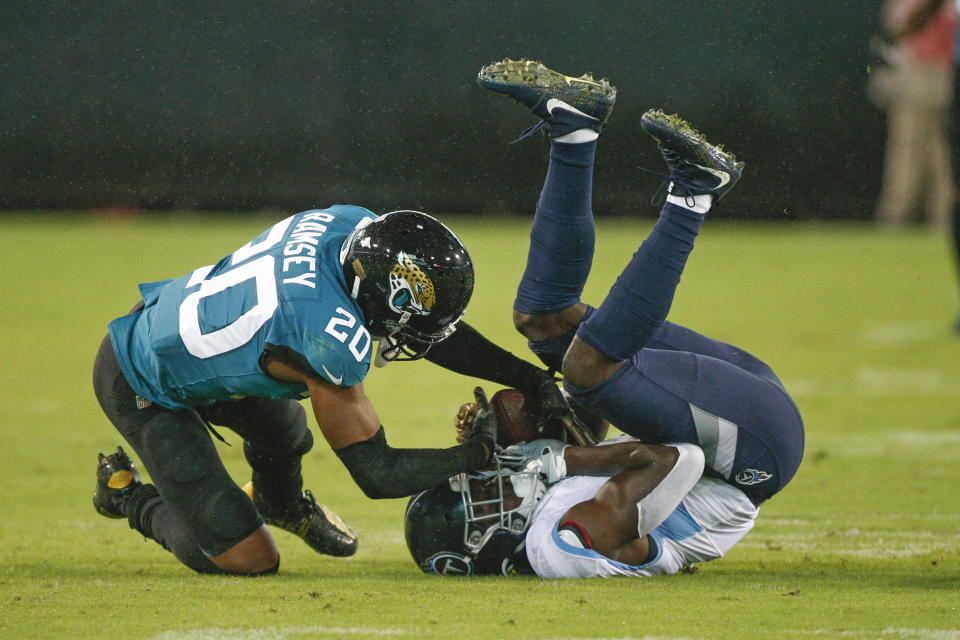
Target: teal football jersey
<point x="199" y="337"/>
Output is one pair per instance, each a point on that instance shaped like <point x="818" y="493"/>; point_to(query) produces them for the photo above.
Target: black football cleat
<point x="563" y="103"/>
<point x="316" y="524"/>
<point x="117" y="478"/>
<point x="696" y="166"/>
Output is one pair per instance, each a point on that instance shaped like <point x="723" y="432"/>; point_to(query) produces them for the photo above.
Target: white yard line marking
<point x="899" y="334"/>
<point x="276" y="633"/>
<point x="625" y="638"/>
<point x="877" y="381"/>
<point x="889" y="632"/>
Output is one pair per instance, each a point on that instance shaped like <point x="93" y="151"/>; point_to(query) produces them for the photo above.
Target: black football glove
<point x="485" y="425"/>
<point x="554" y="409"/>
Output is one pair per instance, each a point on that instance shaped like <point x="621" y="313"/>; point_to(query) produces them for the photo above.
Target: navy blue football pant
<point x="686" y="387"/>
<point x="676" y="385"/>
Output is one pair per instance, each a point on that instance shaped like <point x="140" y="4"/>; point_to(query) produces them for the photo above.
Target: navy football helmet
<point x="475" y="524"/>
<point x="412" y="277"/>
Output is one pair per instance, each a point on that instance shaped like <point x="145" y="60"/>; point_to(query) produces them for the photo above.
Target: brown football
<point x="517" y="418"/>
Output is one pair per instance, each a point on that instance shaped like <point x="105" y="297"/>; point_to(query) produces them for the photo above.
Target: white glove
<point x="547" y="451"/>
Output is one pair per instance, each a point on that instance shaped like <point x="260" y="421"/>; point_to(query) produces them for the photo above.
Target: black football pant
<point x="200" y="510"/>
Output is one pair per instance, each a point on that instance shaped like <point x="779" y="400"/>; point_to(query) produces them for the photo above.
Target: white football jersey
<point x="709" y="520"/>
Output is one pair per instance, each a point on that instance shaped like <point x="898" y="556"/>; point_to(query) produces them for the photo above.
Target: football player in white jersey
<point x="630" y="508"/>
<point x="619" y="508"/>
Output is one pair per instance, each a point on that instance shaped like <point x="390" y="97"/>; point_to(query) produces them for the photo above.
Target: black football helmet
<point x="412" y="277"/>
<point x="464" y="526"/>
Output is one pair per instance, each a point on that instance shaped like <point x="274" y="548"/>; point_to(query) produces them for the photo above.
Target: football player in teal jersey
<point x="296" y="312"/>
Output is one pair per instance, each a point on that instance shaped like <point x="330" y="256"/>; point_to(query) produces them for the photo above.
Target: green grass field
<point x="864" y="543"/>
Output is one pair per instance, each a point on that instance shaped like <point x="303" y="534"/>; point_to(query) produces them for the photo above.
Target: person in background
<point x="915" y="89"/>
<point x="955" y="143"/>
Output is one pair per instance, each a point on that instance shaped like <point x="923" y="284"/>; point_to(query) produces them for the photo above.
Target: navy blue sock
<point x="640" y="299"/>
<point x="562" y="237"/>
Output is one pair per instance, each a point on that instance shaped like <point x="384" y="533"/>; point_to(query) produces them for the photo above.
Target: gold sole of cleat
<point x="336" y="521"/>
<point x="120" y="479"/>
<point x="535" y="73"/>
<point x="685" y="129"/>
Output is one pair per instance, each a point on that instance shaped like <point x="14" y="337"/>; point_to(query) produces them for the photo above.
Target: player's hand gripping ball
<point x="517" y="416"/>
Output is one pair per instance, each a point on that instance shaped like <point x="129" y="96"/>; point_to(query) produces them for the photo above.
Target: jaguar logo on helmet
<point x="411" y="290"/>
<point x="411" y="277"/>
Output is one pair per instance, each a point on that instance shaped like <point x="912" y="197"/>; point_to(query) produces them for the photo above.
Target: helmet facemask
<point x="475" y="523"/>
<point x="405" y="342"/>
<point x="498" y="513"/>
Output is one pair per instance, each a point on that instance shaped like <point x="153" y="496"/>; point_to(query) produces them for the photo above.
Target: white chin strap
<point x="529" y="487"/>
<point x="379" y="361"/>
<point x="356" y="287"/>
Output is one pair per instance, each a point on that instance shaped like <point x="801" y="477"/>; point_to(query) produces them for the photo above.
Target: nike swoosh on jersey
<point x="722" y="175"/>
<point x="334" y="379"/>
<point x="553" y="103"/>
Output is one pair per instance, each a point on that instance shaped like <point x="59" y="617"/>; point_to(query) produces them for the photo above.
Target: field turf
<point x="864" y="543"/>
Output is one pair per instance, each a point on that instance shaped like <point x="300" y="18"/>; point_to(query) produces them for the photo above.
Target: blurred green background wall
<point x="236" y="106"/>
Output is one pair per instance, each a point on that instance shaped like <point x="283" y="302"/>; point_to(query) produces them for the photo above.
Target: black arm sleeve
<point x="468" y="353"/>
<point x="384" y="472"/>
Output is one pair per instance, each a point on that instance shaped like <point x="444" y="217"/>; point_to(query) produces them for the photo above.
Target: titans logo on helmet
<point x="447" y="563"/>
<point x="752" y="476"/>
<point x="411" y="291"/>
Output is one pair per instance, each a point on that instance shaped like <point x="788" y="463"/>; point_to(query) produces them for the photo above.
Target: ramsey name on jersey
<point x="198" y="338"/>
